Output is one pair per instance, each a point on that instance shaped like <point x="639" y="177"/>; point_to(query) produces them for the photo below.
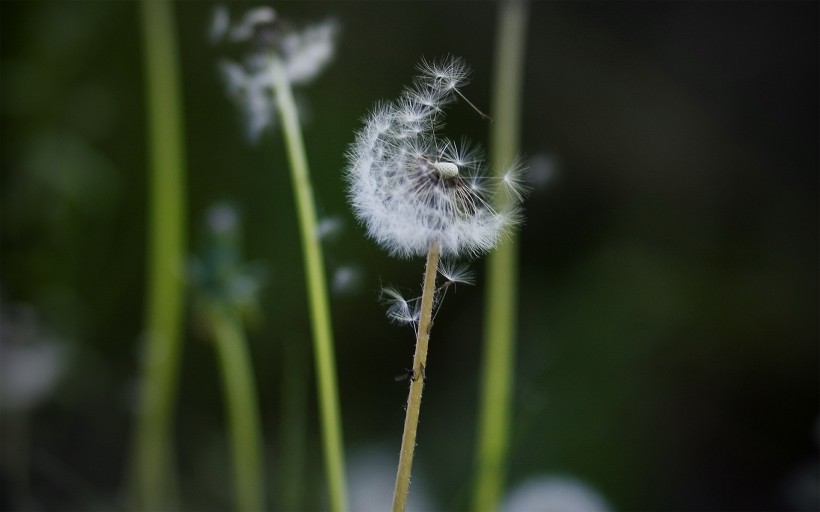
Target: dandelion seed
<point x="446" y="169"/>
<point x="456" y="273"/>
<point x="448" y="73"/>
<point x="399" y="309"/>
<point x="514" y="182"/>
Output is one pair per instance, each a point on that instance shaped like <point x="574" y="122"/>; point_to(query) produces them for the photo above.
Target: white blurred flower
<point x="265" y="38"/>
<point x="31" y="360"/>
<point x="372" y="475"/>
<point x="346" y="280"/>
<point x="552" y="493"/>
<point x="329" y="228"/>
<point x="409" y="187"/>
<point x="543" y="169"/>
<point x="222" y="218"/>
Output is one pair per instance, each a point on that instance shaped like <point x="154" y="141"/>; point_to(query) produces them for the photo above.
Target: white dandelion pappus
<point x="456" y="273"/>
<point x="411" y="188"/>
<point x="399" y="309"/>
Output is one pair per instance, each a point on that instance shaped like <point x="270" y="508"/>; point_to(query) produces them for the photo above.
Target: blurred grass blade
<point x="502" y="268"/>
<point x="152" y="470"/>
<point x="245" y="425"/>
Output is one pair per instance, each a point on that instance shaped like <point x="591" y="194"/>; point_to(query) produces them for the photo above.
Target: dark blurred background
<point x="668" y="348"/>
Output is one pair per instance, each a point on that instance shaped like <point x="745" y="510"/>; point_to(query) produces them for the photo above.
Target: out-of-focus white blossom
<point x="371" y="476"/>
<point x="218" y="272"/>
<point x="329" y="228"/>
<point x="262" y="39"/>
<point x="31" y="360"/>
<point x="346" y="280"/>
<point x="552" y="493"/>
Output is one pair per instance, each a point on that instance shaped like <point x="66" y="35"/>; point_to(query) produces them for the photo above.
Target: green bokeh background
<point x="668" y="351"/>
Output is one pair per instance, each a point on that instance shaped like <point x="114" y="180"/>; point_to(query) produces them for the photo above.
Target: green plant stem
<point x="152" y="470"/>
<point x="295" y="398"/>
<point x="317" y="293"/>
<point x="502" y="270"/>
<point x="411" y="420"/>
<point x="243" y="408"/>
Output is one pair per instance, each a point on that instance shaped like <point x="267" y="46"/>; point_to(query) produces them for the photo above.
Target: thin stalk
<point x="502" y="270"/>
<point x="411" y="420"/>
<point x="152" y="470"/>
<point x="294" y="415"/>
<point x="243" y="409"/>
<point x="317" y="293"/>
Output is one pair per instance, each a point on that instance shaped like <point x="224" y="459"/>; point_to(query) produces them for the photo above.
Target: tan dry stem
<point x="411" y="420"/>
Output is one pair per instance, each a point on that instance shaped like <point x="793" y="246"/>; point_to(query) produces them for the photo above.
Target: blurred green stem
<point x="243" y="408"/>
<point x="502" y="269"/>
<point x="317" y="292"/>
<point x="152" y="470"/>
<point x="411" y="419"/>
<point x="294" y="425"/>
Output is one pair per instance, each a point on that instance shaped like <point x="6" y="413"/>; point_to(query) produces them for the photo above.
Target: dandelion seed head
<point x="410" y="187"/>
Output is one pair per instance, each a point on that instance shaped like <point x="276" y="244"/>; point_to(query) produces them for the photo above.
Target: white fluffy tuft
<point x="410" y="187"/>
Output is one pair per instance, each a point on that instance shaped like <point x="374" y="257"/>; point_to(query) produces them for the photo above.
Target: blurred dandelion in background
<point x="553" y="493"/>
<point x="32" y="360"/>
<point x="218" y="273"/>
<point x="262" y="36"/>
<point x="372" y="472"/>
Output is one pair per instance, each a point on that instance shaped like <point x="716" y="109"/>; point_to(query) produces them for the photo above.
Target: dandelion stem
<point x="317" y="292"/>
<point x="411" y="420"/>
<point x="243" y="408"/>
<point x="151" y="456"/>
<point x="502" y="270"/>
